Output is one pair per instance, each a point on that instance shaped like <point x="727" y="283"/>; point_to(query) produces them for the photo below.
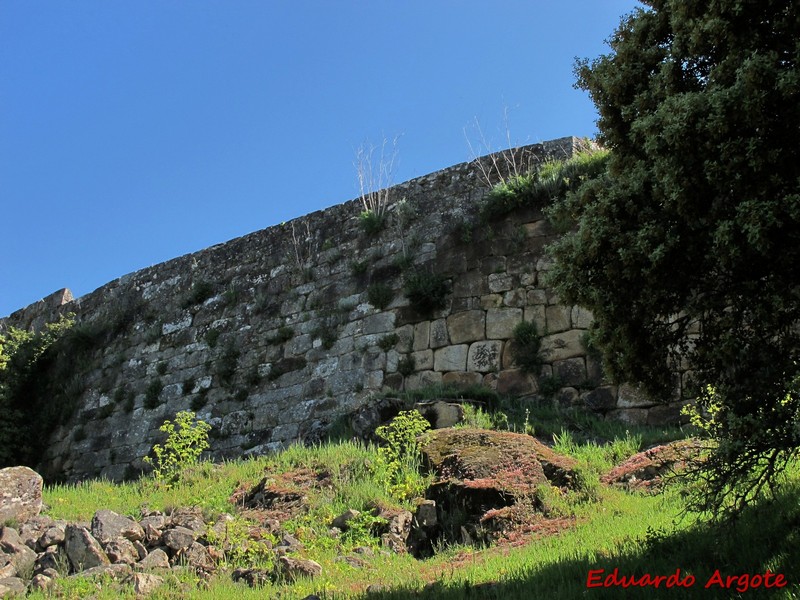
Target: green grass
<point x="634" y="533"/>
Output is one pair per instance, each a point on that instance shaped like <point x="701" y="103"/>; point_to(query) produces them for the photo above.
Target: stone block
<point x="484" y="357"/>
<point x="500" y="322"/>
<point x="471" y="283"/>
<point x="461" y="379"/>
<point x="405" y="337"/>
<point x="560" y="346"/>
<point x="20" y="494"/>
<point x="515" y="298"/>
<point x="631" y="396"/>
<point x="571" y="371"/>
<point x="558" y="319"/>
<point x="422" y="379"/>
<point x="451" y="358"/>
<point x="601" y="399"/>
<point x="467" y="326"/>
<point x="438" y="334"/>
<point x="491" y="301"/>
<point x="668" y="414"/>
<point x="379" y="323"/>
<point x="536" y="315"/>
<point x="500" y="282"/>
<point x="631" y="416"/>
<point x="581" y="317"/>
<point x="422" y="335"/>
<point x="423" y="360"/>
<point x="515" y="382"/>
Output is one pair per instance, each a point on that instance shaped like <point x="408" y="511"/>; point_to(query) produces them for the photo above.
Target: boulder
<point x="20" y="494"/>
<point x="293" y="568"/>
<point x="122" y="551"/>
<point x="341" y="521"/>
<point x="145" y="584"/>
<point x="197" y="557"/>
<point x="645" y="471"/>
<point x="12" y="586"/>
<point x="252" y="577"/>
<point x="108" y="525"/>
<point x="83" y="550"/>
<point x="178" y="538"/>
<point x="14" y="551"/>
<point x="157" y="559"/>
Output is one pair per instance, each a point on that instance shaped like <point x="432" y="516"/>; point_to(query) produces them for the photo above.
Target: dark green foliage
<point x="231" y="295"/>
<point x="161" y="368"/>
<point x="527" y="347"/>
<point x="371" y="222"/>
<point x="388" y="342"/>
<point x="404" y="261"/>
<point x="286" y="365"/>
<point x="105" y="411"/>
<point x="240" y="395"/>
<point x="152" y="394"/>
<point x="284" y="334"/>
<point x="358" y="267"/>
<point x="200" y="400"/>
<point x="688" y="247"/>
<point x="79" y="434"/>
<point x="227" y="363"/>
<point x="253" y="377"/>
<point x="426" y="291"/>
<point x="406" y="365"/>
<point x="42" y="377"/>
<point x="129" y="402"/>
<point x="211" y="337"/>
<point x="187" y="386"/>
<point x="549" y="385"/>
<point x="199" y="293"/>
<point x="380" y="295"/>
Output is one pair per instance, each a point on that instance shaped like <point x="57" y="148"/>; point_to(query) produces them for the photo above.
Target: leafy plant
<point x="406" y="365"/>
<point x="152" y="394"/>
<point x="198" y="293"/>
<point x="380" y="295"/>
<point x="284" y="334"/>
<point x="527" y="346"/>
<point x="426" y="291"/>
<point x="227" y="363"/>
<point x="186" y="441"/>
<point x="358" y="267"/>
<point x="371" y="222"/>
<point x="399" y="460"/>
<point x="549" y="385"/>
<point x="388" y="342"/>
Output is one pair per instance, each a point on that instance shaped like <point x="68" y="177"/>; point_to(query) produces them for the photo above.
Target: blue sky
<point x="134" y="132"/>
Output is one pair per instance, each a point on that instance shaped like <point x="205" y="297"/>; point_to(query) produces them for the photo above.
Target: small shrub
<point x="161" y="368"/>
<point x="152" y="393"/>
<point x="398" y="461"/>
<point x="186" y="440"/>
<point x="326" y="334"/>
<point x="406" y="365"/>
<point x="105" y="411"/>
<point x="79" y="434"/>
<point x="200" y="400"/>
<point x="211" y="337"/>
<point x="404" y="261"/>
<point x="380" y="295"/>
<point x="284" y="334"/>
<point x="426" y="291"/>
<point x="231" y="295"/>
<point x="549" y="385"/>
<point x="527" y="347"/>
<point x="199" y="293"/>
<point x="227" y="363"/>
<point x="388" y="342"/>
<point x="371" y="222"/>
<point x="358" y="267"/>
<point x="187" y="386"/>
<point x="253" y="377"/>
<point x="240" y="395"/>
<point x="128" y="404"/>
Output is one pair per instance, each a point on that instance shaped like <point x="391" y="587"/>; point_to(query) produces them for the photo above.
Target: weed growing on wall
<point x="380" y="295"/>
<point x="199" y="293"/>
<point x="527" y="347"/>
<point x="426" y="291"/>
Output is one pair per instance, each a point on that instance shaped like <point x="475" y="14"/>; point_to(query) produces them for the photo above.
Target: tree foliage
<point x="687" y="249"/>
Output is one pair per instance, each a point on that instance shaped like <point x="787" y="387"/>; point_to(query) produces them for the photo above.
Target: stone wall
<point x="270" y="337"/>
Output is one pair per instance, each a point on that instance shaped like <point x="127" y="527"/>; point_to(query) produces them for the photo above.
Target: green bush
<point x="406" y="365"/>
<point x="186" y="440"/>
<point x="152" y="394"/>
<point x="199" y="293"/>
<point x="426" y="291"/>
<point x="388" y="342"/>
<point x="399" y="460"/>
<point x="527" y="346"/>
<point x="380" y="295"/>
<point x="371" y="222"/>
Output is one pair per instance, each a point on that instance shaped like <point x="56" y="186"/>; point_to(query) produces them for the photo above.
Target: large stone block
<point x="20" y="494"/>
<point x="515" y="382"/>
<point x="560" y="346"/>
<point x="484" y="357"/>
<point x="631" y="396"/>
<point x="422" y="335"/>
<point x="500" y="322"/>
<point x="439" y="336"/>
<point x="467" y="326"/>
<point x="558" y="318"/>
<point x="423" y="379"/>
<point x="423" y="360"/>
<point x="451" y="358"/>
<point x="571" y="371"/>
<point x="461" y="379"/>
<point x="500" y="282"/>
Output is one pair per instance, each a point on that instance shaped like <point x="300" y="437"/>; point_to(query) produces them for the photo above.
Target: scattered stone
<point x="364" y="551"/>
<point x="252" y="577"/>
<point x="7" y="570"/>
<point x="646" y="470"/>
<point x="197" y="557"/>
<point x="20" y="494"/>
<point x="426" y="514"/>
<point x="12" y="586"/>
<point x="190" y="518"/>
<point x="375" y="588"/>
<point x="41" y="582"/>
<point x="16" y="552"/>
<point x="83" y="550"/>
<point x="145" y="584"/>
<point x="53" y="558"/>
<point x="293" y="568"/>
<point x="115" y="572"/>
<point x="178" y="538"/>
<point x="290" y="543"/>
<point x="441" y="414"/>
<point x="341" y="521"/>
<point x="108" y="525"/>
<point x="51" y="537"/>
<point x="122" y="551"/>
<point x="353" y="561"/>
<point x="157" y="559"/>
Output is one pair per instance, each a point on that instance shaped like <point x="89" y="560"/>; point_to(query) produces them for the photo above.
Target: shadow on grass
<point x="766" y="536"/>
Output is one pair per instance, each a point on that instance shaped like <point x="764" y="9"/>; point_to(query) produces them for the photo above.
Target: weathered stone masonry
<point x="270" y="337"/>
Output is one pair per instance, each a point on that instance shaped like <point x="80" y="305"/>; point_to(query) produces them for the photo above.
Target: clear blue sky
<point x="134" y="132"/>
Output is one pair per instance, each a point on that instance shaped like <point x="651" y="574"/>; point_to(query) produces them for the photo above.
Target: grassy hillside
<point x="575" y="536"/>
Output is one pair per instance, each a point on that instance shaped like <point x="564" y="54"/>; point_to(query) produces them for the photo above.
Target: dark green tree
<point x="687" y="249"/>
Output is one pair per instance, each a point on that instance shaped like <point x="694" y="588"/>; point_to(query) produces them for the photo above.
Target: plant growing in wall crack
<point x="375" y="172"/>
<point x="426" y="291"/>
<point x="186" y="440"/>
